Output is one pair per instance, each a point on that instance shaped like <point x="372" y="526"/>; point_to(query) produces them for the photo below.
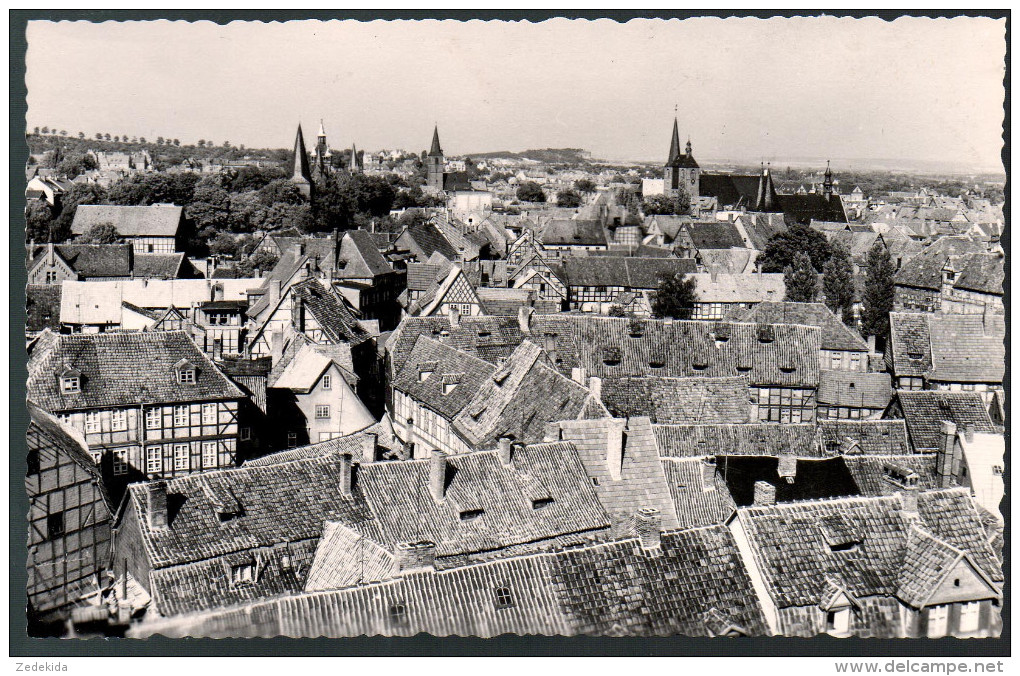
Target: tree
<point x="141" y="139"/>
<point x="783" y="247"/>
<point x="210" y="207"/>
<point x="878" y="293"/>
<point x="568" y="199"/>
<point x="36" y="131"/>
<point x="838" y="283"/>
<point x="100" y="233"/>
<point x="40" y="225"/>
<point x="667" y="205"/>
<point x="675" y="296"/>
<point x="260" y="262"/>
<point x="177" y="143"/>
<point x="106" y="136"/>
<point x="801" y="280"/>
<point x="529" y="191"/>
<point x="99" y="136"/>
<point x="117" y="139"/>
<point x="80" y="193"/>
<point x="63" y="132"/>
<point x="159" y="140"/>
<point x="81" y="135"/>
<point x="584" y="185"/>
<point x="201" y="143"/>
<point x="45" y="130"/>
<point x="76" y="164"/>
<point x="224" y="244"/>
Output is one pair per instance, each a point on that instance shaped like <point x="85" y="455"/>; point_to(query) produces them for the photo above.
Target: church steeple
<point x="436" y="150"/>
<point x="301" y="175"/>
<point x="674" y="146"/>
<point x="827" y="184"/>
<point x="767" y="199"/>
<point x="353" y="166"/>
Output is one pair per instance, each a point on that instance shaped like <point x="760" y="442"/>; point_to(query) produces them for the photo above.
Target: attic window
<point x="185" y="372"/>
<point x="914" y="355"/>
<point x="594" y="481"/>
<point x="242" y="574"/>
<point x="471" y="514"/>
<point x="700" y="365"/>
<point x="398" y="612"/>
<point x="611" y="356"/>
<point x="541" y="503"/>
<point x="70" y="384"/>
<point x="500" y="376"/>
<point x="791" y="369"/>
<point x="766" y="334"/>
<point x="743" y="369"/>
<point x="484" y="334"/>
<point x="503" y="597"/>
<point x="656" y="364"/>
<point x="637" y="330"/>
<point x="450" y="382"/>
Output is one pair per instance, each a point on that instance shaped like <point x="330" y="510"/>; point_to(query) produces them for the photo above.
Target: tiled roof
<point x="864" y="437"/>
<point x="698" y="497"/>
<point x="909" y="343"/>
<point x="739" y="288"/>
<point x="924" y="270"/>
<point x="504" y="495"/>
<point x="871" y="472"/>
<point x="518" y="399"/>
<point x="489" y="338"/>
<point x="835" y="334"/>
<point x="925" y="410"/>
<point x="641" y="481"/>
<point x="504" y="301"/>
<point x="441" y="359"/>
<point x="429" y="239"/>
<point x="797" y="547"/>
<point x="70" y="441"/>
<point x="42" y="307"/>
<point x="803" y="209"/>
<point x="854" y="389"/>
<point x="979" y="272"/>
<point x="794" y="479"/>
<point x="714" y="235"/>
<point x="123" y="369"/>
<point x="421" y="276"/>
<point x="158" y="266"/>
<point x="732" y="190"/>
<point x="346" y="558"/>
<point x="693" y="441"/>
<point x="573" y="232"/>
<point x="679" y="400"/>
<point x="92" y="260"/>
<point x="158" y="220"/>
<point x="695" y="581"/>
<point x="331" y="312"/>
<point x="967" y="348"/>
<point x="361" y="255"/>
<point x="633" y="273"/>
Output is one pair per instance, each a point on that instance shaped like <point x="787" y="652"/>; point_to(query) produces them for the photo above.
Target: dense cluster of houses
<point x="478" y="426"/>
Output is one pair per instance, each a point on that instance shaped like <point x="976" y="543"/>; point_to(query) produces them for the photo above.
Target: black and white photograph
<point x="684" y="328"/>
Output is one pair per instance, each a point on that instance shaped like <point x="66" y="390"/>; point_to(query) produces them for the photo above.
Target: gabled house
<point x="522" y="248"/>
<point x="148" y="404"/>
<point x="536" y="274"/>
<point x="841" y="348"/>
<point x="594" y="284"/>
<point x="69" y="518"/>
<point x="727" y="296"/>
<point x="919" y="281"/>
<point x="53" y="263"/>
<point x="925" y="412"/>
<point x="452" y="293"/>
<point x="562" y="238"/>
<point x="158" y="228"/>
<point x="853" y="395"/>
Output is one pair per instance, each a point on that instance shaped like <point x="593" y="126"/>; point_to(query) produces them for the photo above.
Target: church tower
<point x="322" y="154"/>
<point x="681" y="173"/>
<point x="354" y="166"/>
<point x="435" y="165"/>
<point x="301" y="175"/>
<point x="827" y="184"/>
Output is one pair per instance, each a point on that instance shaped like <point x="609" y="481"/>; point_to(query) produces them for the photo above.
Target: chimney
<point x="158" y="517"/>
<point x="787" y="467"/>
<point x="301" y="248"/>
<point x="454" y="315"/>
<point x="647" y="524"/>
<point x="505" y="451"/>
<point x="217" y="349"/>
<point x="764" y="494"/>
<point x="524" y="319"/>
<point x="577" y="374"/>
<point x="369" y="446"/>
<point x="945" y="463"/>
<point x="614" y="447"/>
<point x="987" y="320"/>
<point x="708" y="474"/>
<point x="872" y="348"/>
<point x="416" y="556"/>
<point x="908" y="503"/>
<point x="437" y="475"/>
<point x="346" y="476"/>
<point x="552" y="432"/>
<point x="595" y="387"/>
<point x="277" y="346"/>
<point x="714" y="274"/>
<point x="275" y="291"/>
<point x="217" y="292"/>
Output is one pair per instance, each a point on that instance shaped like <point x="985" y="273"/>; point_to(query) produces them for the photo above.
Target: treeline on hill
<point x="241" y="201"/>
<point x="877" y="183"/>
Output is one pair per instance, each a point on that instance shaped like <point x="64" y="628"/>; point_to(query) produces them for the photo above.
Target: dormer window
<point x="186" y="372"/>
<point x="504" y="598"/>
<point x="242" y="574"/>
<point x="471" y="514"/>
<point x="70" y="380"/>
<point x="450" y="382"/>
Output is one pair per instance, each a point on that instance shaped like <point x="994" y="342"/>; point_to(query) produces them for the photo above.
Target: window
<point x="291" y="439"/>
<point x="838" y="621"/>
<point x="181" y="416"/>
<point x="245" y="433"/>
<point x="120" y="463"/>
<point x="154" y="460"/>
<point x="118" y="420"/>
<point x="967" y="387"/>
<point x="503" y="597"/>
<point x="92" y="423"/>
<point x="210" y="454"/>
<point x="209" y="414"/>
<point x="181" y="457"/>
<point x="152" y="419"/>
<point x="837" y="360"/>
<point x="327" y="382"/>
<point x="33" y="462"/>
<point x="70" y="384"/>
<point x="51" y="277"/>
<point x="186" y="376"/>
<point x="855" y="361"/>
<point x="398" y="612"/>
<point x="938" y="621"/>
<point x="322" y="411"/>
<point x="54" y="525"/>
<point x="242" y="574"/>
<point x="970" y="617"/>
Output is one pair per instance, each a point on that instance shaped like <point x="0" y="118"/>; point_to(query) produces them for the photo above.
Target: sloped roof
<point x="925" y="410"/>
<point x="573" y="232"/>
<point x="441" y="359"/>
<point x="802" y="209"/>
<point x="42" y="307"/>
<point x="421" y="276"/>
<point x="835" y="334"/>
<point x="928" y="561"/>
<point x="679" y="400"/>
<point x="924" y="270"/>
<point x="693" y="441"/>
<point x="795" y="559"/>
<point x="854" y="389"/>
<point x="734" y="190"/>
<point x="308" y="365"/>
<point x="981" y="272"/>
<point x="123" y="369"/>
<point x="353" y="444"/>
<point x="158" y="266"/>
<point x="157" y="220"/>
<point x="699" y="498"/>
<point x="812" y="478"/>
<point x="870" y="472"/>
<point x="714" y="235"/>
<point x="739" y="288"/>
<point x="331" y="312"/>
<point x="67" y="440"/>
<point x="634" y="273"/>
<point x="359" y="249"/>
<point x="93" y="260"/>
<point x="429" y="239"/>
<point x="909" y="351"/>
<point x="641" y="480"/>
<point x="952" y="348"/>
<point x="864" y="437"/>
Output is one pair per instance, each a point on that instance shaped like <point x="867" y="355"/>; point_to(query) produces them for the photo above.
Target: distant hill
<point x="545" y="155"/>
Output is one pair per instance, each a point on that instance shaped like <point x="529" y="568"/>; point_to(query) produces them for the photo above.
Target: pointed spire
<point x="353" y="166"/>
<point x="301" y="169"/>
<point x="688" y="145"/>
<point x="322" y="129"/>
<point x="674" y="145"/>
<point x="436" y="150"/>
<point x="767" y="199"/>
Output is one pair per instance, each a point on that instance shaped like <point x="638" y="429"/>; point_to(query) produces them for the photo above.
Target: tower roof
<point x="436" y="148"/>
<point x="828" y="170"/>
<point x="354" y="156"/>
<point x="674" y="145"/>
<point x="767" y="199"/>
<point x="301" y="157"/>
<point x="322" y="130"/>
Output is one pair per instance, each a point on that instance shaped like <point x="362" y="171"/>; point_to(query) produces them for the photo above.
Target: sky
<point x="913" y="89"/>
